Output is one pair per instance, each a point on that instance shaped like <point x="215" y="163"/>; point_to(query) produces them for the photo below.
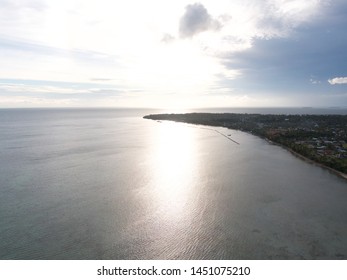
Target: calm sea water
<point x="107" y="184"/>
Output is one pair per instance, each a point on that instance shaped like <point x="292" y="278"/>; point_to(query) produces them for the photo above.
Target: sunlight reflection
<point x="174" y="169"/>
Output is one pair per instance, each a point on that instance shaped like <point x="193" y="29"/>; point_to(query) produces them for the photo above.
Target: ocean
<point x="108" y="184"/>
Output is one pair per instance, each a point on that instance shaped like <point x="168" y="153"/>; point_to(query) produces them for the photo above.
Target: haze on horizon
<point x="246" y="53"/>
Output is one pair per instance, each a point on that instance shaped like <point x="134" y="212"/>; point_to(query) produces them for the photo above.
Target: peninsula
<point x="320" y="138"/>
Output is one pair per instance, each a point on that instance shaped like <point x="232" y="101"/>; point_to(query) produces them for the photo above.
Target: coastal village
<point x="321" y="138"/>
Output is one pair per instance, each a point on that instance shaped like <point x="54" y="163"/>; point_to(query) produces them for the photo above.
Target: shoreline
<point x="302" y="157"/>
<point x="308" y="160"/>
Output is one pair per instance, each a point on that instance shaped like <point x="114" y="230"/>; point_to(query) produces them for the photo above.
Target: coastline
<point x="302" y="157"/>
<point x="334" y="171"/>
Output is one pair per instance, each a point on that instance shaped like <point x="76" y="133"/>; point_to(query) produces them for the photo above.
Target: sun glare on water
<point x="175" y="169"/>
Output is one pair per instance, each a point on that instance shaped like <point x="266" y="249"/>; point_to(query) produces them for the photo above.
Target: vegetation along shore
<point x="319" y="138"/>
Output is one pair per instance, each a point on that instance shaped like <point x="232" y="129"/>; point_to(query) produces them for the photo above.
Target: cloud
<point x="280" y="17"/>
<point x="49" y="88"/>
<point x="167" y="38"/>
<point x="33" y="93"/>
<point x="254" y="47"/>
<point x="30" y="4"/>
<point x="313" y="53"/>
<point x="42" y="89"/>
<point x="314" y="81"/>
<point x="239" y="23"/>
<point x="195" y="20"/>
<point x="101" y="80"/>
<point x="30" y="101"/>
<point x="338" y="81"/>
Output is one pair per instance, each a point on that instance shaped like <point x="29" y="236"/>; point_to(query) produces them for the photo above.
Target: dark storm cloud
<point x="318" y="49"/>
<point x="196" y="19"/>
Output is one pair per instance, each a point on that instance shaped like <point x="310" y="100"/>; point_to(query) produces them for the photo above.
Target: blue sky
<point x="226" y="53"/>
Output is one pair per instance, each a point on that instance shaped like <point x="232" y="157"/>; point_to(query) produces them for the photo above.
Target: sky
<point x="173" y="54"/>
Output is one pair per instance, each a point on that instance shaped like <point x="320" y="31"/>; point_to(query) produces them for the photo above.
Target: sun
<point x="177" y="67"/>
